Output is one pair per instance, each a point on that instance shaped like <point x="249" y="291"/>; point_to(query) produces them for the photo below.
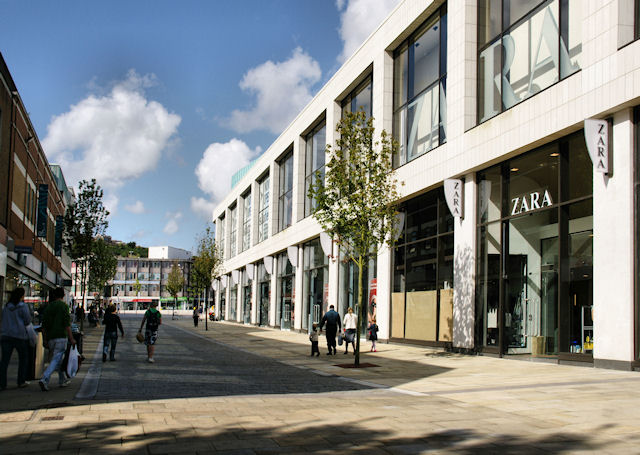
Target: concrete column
<point x="464" y="267"/>
<point x="298" y="293"/>
<point x="383" y="293"/>
<point x="273" y="298"/>
<point x="613" y="253"/>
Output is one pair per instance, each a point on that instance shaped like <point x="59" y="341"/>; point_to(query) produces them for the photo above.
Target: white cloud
<point x="137" y="208"/>
<point x="202" y="207"/>
<point x="172" y="225"/>
<point x="281" y="89"/>
<point x="139" y="234"/>
<point x="113" y="137"/>
<point x="110" y="202"/>
<point x="358" y="20"/>
<point x="219" y="162"/>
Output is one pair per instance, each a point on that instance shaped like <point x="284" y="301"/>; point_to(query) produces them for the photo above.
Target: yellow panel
<point x="446" y="315"/>
<point x="421" y="315"/>
<point x="397" y="314"/>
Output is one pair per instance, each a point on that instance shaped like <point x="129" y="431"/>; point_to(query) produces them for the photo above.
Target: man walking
<point x="153" y="319"/>
<point x="57" y="330"/>
<point x="332" y="319"/>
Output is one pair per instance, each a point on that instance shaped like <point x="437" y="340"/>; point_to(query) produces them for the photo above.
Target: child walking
<point x="373" y="334"/>
<point x="313" y="337"/>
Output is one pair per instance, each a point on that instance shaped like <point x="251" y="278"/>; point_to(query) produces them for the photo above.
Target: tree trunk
<point x="359" y="308"/>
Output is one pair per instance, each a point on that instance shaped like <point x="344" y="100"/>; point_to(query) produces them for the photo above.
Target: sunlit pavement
<point x="246" y="390"/>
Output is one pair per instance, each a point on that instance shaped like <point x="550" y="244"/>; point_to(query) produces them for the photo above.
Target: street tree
<point x="355" y="202"/>
<point x="175" y="283"/>
<point x="207" y="265"/>
<point x="102" y="266"/>
<point x="84" y="220"/>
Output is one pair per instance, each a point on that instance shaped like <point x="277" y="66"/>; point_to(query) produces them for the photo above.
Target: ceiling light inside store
<point x="554" y="154"/>
<point x="514" y="169"/>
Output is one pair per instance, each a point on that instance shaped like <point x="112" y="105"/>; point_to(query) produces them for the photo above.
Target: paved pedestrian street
<point x="247" y="390"/>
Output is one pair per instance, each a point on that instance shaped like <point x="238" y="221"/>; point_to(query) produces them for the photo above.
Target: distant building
<point x="33" y="200"/>
<point x="151" y="274"/>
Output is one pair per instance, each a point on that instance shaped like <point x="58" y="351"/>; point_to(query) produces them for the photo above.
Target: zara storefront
<point x="535" y="253"/>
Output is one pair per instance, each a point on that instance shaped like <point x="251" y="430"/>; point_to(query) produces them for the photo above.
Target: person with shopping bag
<point x="16" y="321"/>
<point x="56" y="325"/>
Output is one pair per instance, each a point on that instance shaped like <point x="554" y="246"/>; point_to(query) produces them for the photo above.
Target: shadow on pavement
<point x="353" y="438"/>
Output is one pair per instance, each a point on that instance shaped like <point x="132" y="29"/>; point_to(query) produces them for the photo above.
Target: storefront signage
<point x="292" y="254"/>
<point x="326" y="244"/>
<point x="57" y="248"/>
<point x="250" y="270"/>
<point x="532" y="201"/>
<point x="20" y="249"/>
<point x="43" y="201"/>
<point x="596" y="133"/>
<point x="235" y="275"/>
<point x="453" y="196"/>
<point x="268" y="264"/>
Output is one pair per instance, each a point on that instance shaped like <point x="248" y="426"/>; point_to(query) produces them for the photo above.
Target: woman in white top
<point x="350" y="324"/>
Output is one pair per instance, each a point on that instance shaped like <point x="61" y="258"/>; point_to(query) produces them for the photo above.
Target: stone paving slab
<point x="424" y="402"/>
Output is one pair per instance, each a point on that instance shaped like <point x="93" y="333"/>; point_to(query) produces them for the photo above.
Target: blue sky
<point x="161" y="101"/>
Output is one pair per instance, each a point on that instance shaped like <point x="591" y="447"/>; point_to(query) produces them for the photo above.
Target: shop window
<point x="422" y="297"/>
<point x="636" y="118"/>
<point x="534" y="259"/>
<point x="246" y="297"/>
<point x="523" y="48"/>
<point x="315" y="283"/>
<point x="233" y="301"/>
<point x="348" y="285"/>
<point x="419" y="102"/>
<point x="263" y="209"/>
<point x="285" y="315"/>
<point x="316" y="144"/>
<point x="264" y="295"/>
<point x="285" y="195"/>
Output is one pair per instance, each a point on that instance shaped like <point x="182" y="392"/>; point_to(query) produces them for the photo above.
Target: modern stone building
<point x="542" y="259"/>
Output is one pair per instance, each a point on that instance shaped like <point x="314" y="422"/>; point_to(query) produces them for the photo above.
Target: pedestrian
<point x="111" y="323"/>
<point x="373" y="334"/>
<point x="79" y="316"/>
<point x="57" y="331"/>
<point x="332" y="319"/>
<point x="195" y="316"/>
<point x="15" y="319"/>
<point x="350" y="325"/>
<point x="313" y="337"/>
<point x="153" y="319"/>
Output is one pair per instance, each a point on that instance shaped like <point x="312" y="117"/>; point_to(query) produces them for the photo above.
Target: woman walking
<point x="15" y="319"/>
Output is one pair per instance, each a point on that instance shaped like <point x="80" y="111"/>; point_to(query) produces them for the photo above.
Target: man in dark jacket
<point x="57" y="330"/>
<point x="332" y="319"/>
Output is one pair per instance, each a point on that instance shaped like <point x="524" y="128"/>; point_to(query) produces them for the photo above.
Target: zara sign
<point x="596" y="134"/>
<point x="532" y="201"/>
<point x="453" y="196"/>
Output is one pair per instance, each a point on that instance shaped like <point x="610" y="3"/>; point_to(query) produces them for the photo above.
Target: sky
<point x="162" y="101"/>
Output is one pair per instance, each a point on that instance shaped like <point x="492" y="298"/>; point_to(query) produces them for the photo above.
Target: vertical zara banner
<point x="596" y="135"/>
<point x="453" y="196"/>
<point x="43" y="201"/>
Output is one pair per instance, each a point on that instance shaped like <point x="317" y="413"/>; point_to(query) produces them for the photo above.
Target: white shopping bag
<point x="72" y="364"/>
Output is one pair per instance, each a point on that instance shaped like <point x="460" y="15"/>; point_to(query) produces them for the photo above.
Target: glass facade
<point x="523" y="48"/>
<point x="419" y="90"/>
<point x="246" y="221"/>
<point x="221" y="226"/>
<point x="315" y="283"/>
<point x="636" y="155"/>
<point x="264" y="294"/>
<point x="36" y="293"/>
<point x="233" y="232"/>
<point x="233" y="301"/>
<point x="316" y="144"/>
<point x="535" y="252"/>
<point x="348" y="281"/>
<point x="263" y="209"/>
<point x="286" y="292"/>
<point x="422" y="292"/>
<point x="223" y="299"/>
<point x="285" y="194"/>
<point x="360" y="98"/>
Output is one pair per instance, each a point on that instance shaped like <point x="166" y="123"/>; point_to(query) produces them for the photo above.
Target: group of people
<point x="17" y="333"/>
<point x="333" y="324"/>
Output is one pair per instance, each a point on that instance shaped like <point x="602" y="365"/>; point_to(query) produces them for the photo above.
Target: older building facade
<point x="499" y="100"/>
<point x="33" y="199"/>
